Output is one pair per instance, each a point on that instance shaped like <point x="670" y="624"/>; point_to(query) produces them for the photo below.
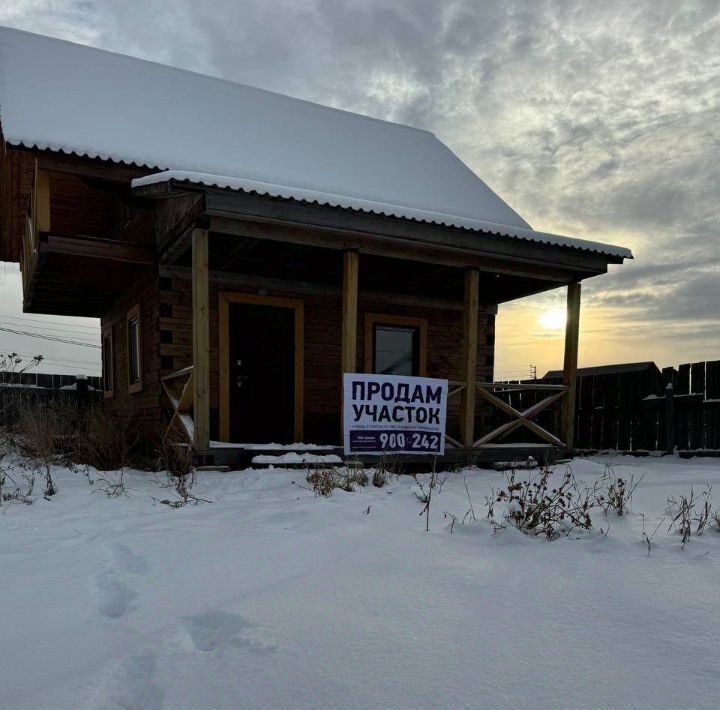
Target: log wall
<point x="322" y="353"/>
<point x="144" y="407"/>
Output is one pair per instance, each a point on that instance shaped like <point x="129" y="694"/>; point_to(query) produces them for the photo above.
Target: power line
<point x="77" y="368"/>
<point x="49" y="337"/>
<point x="77" y="337"/>
<point x="24" y="319"/>
<point x="34" y="329"/>
<point x="59" y="361"/>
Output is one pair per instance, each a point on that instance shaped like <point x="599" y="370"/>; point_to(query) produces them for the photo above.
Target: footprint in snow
<point x="213" y="630"/>
<point x="113" y="596"/>
<point x="126" y="560"/>
<point x="129" y="685"/>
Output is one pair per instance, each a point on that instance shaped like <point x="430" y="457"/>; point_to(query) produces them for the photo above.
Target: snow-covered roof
<point x="66" y="97"/>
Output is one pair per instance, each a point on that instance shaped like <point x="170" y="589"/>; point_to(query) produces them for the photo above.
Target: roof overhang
<point x="246" y="213"/>
<point x="152" y="186"/>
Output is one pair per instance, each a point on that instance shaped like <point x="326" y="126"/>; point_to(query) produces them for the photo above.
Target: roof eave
<point x="150" y="187"/>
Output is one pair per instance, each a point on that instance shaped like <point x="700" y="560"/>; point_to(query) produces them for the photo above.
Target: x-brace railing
<point x="520" y="418"/>
<point x="181" y="399"/>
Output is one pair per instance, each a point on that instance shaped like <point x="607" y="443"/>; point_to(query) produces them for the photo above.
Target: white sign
<point x="394" y="414"/>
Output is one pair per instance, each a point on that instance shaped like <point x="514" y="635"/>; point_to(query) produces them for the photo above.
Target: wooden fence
<point x="47" y="380"/>
<point x="16" y="398"/>
<point x="634" y="410"/>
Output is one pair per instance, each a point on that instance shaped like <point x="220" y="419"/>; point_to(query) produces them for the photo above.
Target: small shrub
<point x="379" y="479"/>
<point x="14" y="493"/>
<point x="425" y="491"/>
<point x="183" y="484"/>
<point x="357" y="478"/>
<point x="716" y="519"/>
<point x="388" y="465"/>
<point x="649" y="538"/>
<point x="324" y="481"/>
<point x="176" y="458"/>
<point x="536" y="508"/>
<point x="615" y="493"/>
<point x="43" y="433"/>
<point x="685" y="511"/>
<point x="111" y="487"/>
<point x="105" y="440"/>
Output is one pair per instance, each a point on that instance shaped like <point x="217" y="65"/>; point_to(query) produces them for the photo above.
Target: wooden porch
<point x="189" y="390"/>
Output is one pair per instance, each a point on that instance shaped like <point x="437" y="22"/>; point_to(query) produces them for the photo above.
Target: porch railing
<point x="179" y="390"/>
<point x="519" y="418"/>
<point x="29" y="252"/>
<point x="178" y="387"/>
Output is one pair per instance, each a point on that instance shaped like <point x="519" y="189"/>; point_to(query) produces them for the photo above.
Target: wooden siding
<point x="95" y="219"/>
<point x="144" y="404"/>
<point x="17" y="177"/>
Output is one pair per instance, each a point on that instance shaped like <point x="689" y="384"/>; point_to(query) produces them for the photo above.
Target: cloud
<point x="592" y="119"/>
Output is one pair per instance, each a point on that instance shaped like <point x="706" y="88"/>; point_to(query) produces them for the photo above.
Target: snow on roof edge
<point x="388" y="210"/>
<point x="80" y="152"/>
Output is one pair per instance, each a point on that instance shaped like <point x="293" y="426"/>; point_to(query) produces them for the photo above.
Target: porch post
<point x="349" y="312"/>
<point x="201" y="339"/>
<point x="572" y="332"/>
<point x="470" y="342"/>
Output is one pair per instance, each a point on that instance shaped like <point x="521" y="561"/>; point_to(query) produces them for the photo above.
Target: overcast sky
<point x="592" y="119"/>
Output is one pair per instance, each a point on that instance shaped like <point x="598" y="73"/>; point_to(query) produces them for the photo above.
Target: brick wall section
<point x="144" y="406"/>
<point x="322" y="350"/>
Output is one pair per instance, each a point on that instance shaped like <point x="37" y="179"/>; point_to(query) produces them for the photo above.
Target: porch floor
<point x="239" y="456"/>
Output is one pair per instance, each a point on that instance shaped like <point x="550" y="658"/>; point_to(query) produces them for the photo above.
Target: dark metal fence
<point x="16" y="397"/>
<point x="45" y="380"/>
<point x="648" y="410"/>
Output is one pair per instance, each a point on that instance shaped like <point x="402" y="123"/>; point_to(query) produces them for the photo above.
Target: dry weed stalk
<point x="614" y="492"/>
<point x="683" y="508"/>
<point x="536" y="508"/>
<point x="323" y="481"/>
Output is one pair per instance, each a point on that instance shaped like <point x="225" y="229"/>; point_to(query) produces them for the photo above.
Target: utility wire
<point x="49" y="337"/>
<point x="60" y="361"/>
<point x="34" y="329"/>
<point x="27" y="320"/>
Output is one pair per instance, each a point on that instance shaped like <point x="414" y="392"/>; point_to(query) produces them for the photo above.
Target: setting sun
<point x="553" y="319"/>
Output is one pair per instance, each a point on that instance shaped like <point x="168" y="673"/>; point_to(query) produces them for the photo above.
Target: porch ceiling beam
<point x="175" y="218"/>
<point x="96" y="249"/>
<point x="246" y="206"/>
<point x="400" y="248"/>
<point x="226" y="279"/>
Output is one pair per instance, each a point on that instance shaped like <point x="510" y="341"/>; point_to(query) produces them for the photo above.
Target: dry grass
<point x="691" y="513"/>
<point x="324" y="481"/>
<point x="613" y="492"/>
<point x="106" y="441"/>
<point x="535" y="507"/>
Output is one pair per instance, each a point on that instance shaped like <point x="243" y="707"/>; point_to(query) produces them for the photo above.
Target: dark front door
<point x="262" y="373"/>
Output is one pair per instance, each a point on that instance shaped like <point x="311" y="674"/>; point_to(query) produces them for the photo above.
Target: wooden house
<point x="243" y="249"/>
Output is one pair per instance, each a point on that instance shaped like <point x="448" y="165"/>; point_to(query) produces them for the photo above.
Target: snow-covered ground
<point x="270" y="597"/>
